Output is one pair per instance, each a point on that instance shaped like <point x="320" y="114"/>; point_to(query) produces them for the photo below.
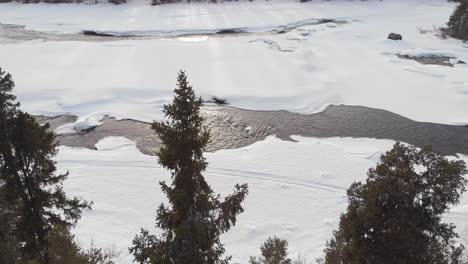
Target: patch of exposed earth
<point x="433" y="60"/>
<point x="234" y="128"/>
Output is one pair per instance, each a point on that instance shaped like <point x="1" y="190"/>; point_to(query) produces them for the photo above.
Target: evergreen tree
<point x="458" y="23"/>
<point x="196" y="217"/>
<point x="274" y="251"/>
<point x="9" y="246"/>
<point x="7" y="99"/>
<point x="30" y="190"/>
<point x="64" y="250"/>
<point x="396" y="216"/>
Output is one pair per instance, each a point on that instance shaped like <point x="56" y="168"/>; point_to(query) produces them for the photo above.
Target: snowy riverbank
<point x="297" y="191"/>
<point x="303" y="70"/>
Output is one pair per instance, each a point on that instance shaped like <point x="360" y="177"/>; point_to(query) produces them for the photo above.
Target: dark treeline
<point x="394" y="217"/>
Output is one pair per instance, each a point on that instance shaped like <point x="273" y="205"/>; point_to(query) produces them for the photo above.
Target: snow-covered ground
<point x="297" y="191"/>
<point x="303" y="70"/>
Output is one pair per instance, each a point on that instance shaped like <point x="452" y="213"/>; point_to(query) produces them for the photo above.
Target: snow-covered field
<point x="297" y="191"/>
<point x="303" y="70"/>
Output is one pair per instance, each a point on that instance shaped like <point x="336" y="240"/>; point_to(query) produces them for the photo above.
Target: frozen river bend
<point x="316" y="94"/>
<point x="275" y="55"/>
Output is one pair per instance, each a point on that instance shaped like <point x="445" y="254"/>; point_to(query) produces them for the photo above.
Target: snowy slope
<point x="303" y="70"/>
<point x="297" y="190"/>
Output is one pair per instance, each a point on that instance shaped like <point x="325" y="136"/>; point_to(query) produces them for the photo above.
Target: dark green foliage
<point x="9" y="245"/>
<point x="97" y="256"/>
<point x="458" y="23"/>
<point x="274" y="251"/>
<point x="7" y="99"/>
<point x="196" y="217"/>
<point x="63" y="249"/>
<point x="396" y="216"/>
<point x="30" y="179"/>
<point x="117" y="2"/>
<point x="31" y="194"/>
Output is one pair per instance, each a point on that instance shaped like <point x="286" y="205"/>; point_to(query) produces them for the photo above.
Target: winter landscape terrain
<point x="272" y="55"/>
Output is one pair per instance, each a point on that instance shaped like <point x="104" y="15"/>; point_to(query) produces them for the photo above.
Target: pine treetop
<point x="183" y="136"/>
<point x="196" y="216"/>
<point x="7" y="99"/>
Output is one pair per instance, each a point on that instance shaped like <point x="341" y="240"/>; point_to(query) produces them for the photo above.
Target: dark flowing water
<point x="234" y="128"/>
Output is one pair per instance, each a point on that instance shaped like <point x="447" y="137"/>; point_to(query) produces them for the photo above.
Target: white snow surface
<point x="83" y="123"/>
<point x="302" y="71"/>
<point x="417" y="53"/>
<point x="297" y="191"/>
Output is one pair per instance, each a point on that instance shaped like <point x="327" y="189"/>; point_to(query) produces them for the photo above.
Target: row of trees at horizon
<point x="393" y="217"/>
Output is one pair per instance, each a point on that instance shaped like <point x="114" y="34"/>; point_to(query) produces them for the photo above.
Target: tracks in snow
<point x="269" y="177"/>
<point x="247" y="174"/>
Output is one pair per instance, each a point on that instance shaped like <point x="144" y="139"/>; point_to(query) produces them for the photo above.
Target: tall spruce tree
<point x="196" y="217"/>
<point x="396" y="216"/>
<point x="7" y="99"/>
<point x="29" y="187"/>
<point x="9" y="246"/>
